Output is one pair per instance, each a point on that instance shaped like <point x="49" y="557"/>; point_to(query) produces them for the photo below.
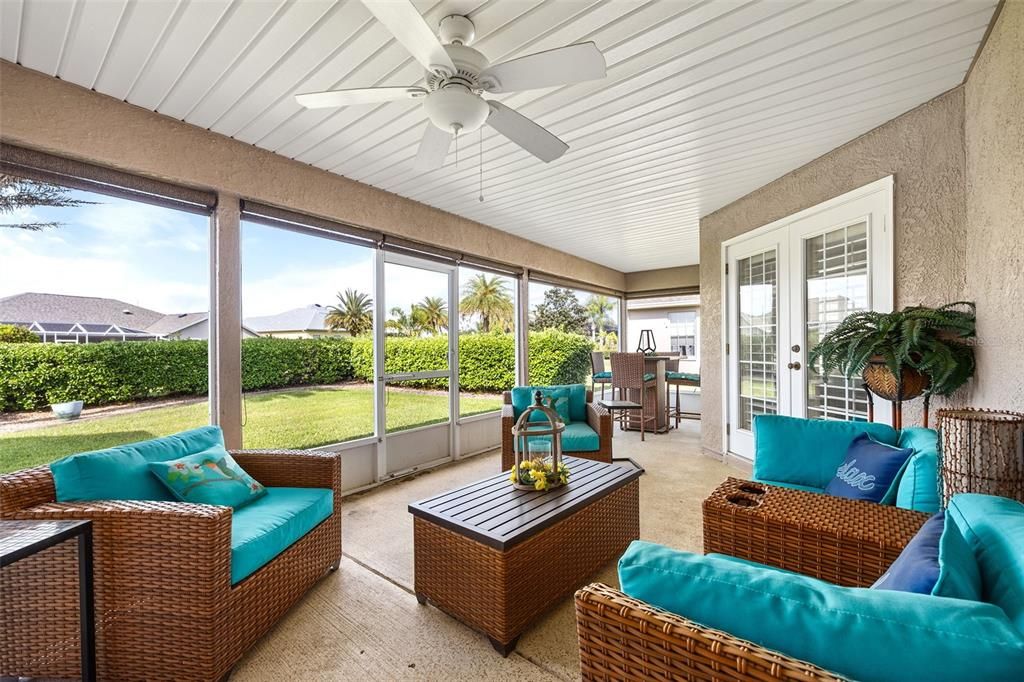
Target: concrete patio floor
<point x="363" y="622"/>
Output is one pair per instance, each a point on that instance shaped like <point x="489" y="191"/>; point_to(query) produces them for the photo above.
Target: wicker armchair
<point x="165" y="605"/>
<point x="625" y="639"/>
<point x="598" y="419"/>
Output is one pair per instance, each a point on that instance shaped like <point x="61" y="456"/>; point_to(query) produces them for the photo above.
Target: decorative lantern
<point x="646" y="345"/>
<point x="538" y="448"/>
<point x="981" y="451"/>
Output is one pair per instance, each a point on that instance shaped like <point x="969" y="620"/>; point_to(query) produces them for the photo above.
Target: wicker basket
<point x="981" y="451"/>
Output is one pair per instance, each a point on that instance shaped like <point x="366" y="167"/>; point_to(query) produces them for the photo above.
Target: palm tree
<point x="432" y="314"/>
<point x="489" y="298"/>
<point x="402" y="323"/>
<point x="598" y="308"/>
<point x="352" y="314"/>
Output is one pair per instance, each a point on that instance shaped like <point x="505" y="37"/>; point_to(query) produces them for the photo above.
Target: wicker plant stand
<point x="497" y="558"/>
<point x="846" y="542"/>
<point x="625" y="639"/>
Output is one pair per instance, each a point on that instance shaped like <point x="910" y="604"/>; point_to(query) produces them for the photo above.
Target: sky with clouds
<point x="157" y="258"/>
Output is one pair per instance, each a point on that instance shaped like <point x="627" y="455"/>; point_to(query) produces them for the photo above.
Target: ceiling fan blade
<point x="433" y="148"/>
<point x="562" y="66"/>
<point x="344" y="98"/>
<point x="411" y="30"/>
<point x="525" y="133"/>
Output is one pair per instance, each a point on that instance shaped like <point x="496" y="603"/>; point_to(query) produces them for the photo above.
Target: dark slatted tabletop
<point x="491" y="511"/>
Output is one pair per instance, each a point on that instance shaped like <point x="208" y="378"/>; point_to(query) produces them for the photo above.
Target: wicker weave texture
<point x="846" y="542"/>
<point x="165" y="606"/>
<point x="502" y="592"/>
<point x="981" y="451"/>
<point x="598" y="419"/>
<point x="625" y="639"/>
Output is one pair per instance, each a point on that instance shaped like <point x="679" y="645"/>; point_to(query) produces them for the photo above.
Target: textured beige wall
<point x="50" y="115"/>
<point x="664" y="278"/>
<point x="994" y="134"/>
<point x="924" y="149"/>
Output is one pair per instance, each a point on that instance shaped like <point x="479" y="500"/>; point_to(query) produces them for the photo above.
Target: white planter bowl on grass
<point x="68" y="410"/>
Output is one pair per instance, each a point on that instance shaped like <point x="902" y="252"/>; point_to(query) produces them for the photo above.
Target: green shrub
<point x="12" y="333"/>
<point x="33" y="376"/>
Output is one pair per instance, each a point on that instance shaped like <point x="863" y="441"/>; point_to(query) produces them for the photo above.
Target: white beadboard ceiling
<point x="704" y="100"/>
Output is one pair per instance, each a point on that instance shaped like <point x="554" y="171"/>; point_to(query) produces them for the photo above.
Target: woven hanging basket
<point x="882" y="382"/>
<point x="981" y="451"/>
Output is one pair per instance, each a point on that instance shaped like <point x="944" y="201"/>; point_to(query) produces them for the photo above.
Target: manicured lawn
<point x="301" y="418"/>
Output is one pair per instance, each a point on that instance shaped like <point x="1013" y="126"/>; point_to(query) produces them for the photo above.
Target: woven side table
<point x="846" y="542"/>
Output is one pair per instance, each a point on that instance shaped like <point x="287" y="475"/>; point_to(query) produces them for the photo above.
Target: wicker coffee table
<point x="847" y="542"/>
<point x="497" y="558"/>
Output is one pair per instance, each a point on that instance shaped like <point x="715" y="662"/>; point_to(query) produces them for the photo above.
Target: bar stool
<point x="600" y="376"/>
<point x="677" y="379"/>
<point x="628" y="375"/>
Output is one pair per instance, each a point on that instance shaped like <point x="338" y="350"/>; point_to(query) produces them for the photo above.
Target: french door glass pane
<point x="758" y="327"/>
<point x="836" y="285"/>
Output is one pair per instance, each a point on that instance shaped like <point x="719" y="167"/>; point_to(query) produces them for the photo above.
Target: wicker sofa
<point x="166" y="608"/>
<point x="596" y="418"/>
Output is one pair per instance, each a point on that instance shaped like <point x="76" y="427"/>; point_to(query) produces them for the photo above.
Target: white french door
<point x="789" y="283"/>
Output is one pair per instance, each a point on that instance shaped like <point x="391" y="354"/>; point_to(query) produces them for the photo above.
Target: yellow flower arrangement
<point x="540" y="474"/>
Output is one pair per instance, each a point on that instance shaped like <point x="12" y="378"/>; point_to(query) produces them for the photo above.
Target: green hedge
<point x="34" y="375"/>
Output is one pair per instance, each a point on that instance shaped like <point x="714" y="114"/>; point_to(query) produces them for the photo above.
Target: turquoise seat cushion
<point x="577" y="437"/>
<point x="602" y="375"/>
<point x="122" y="472"/>
<point x="522" y="398"/>
<point x="807" y="451"/>
<point x="268" y="526"/>
<point x="794" y="486"/>
<point x="859" y="633"/>
<point x="682" y="376"/>
<point x="936" y="561"/>
<point x="994" y="529"/>
<point x="209" y="477"/>
<point x="918" y="486"/>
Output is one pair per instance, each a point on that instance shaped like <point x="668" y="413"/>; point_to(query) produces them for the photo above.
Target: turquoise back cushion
<point x="262" y="530"/>
<point x="859" y="633"/>
<point x="209" y="477"/>
<point x="807" y="451"/>
<point x="994" y="529"/>
<point x="918" y="487"/>
<point x="122" y="473"/>
<point x="522" y="398"/>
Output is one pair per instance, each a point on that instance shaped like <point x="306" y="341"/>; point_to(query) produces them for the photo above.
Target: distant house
<point x="298" y="323"/>
<point x="58" y="318"/>
<point x="675" y="321"/>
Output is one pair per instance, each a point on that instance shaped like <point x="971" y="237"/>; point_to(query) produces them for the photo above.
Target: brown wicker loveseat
<point x="165" y="605"/>
<point x="598" y="418"/>
<point x="626" y="639"/>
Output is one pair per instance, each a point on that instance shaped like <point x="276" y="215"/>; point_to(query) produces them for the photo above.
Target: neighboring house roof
<point x="308" y="318"/>
<point x="36" y="307"/>
<point x="169" y="324"/>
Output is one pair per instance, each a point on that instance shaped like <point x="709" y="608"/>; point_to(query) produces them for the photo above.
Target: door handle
<point x="794" y="365"/>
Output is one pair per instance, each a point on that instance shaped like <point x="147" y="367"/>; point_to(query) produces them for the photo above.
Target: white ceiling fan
<point x="457" y="76"/>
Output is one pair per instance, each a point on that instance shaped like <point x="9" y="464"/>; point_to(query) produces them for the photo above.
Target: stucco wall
<point x="994" y="135"/>
<point x="924" y="150"/>
<point x="682" y="277"/>
<point x="46" y="114"/>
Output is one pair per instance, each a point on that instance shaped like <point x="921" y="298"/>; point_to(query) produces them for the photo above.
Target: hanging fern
<point x="933" y="341"/>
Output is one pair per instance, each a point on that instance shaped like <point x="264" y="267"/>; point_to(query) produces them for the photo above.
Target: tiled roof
<point x="33" y="307"/>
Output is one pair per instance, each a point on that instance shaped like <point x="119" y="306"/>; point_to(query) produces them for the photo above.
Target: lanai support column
<point x="226" y="320"/>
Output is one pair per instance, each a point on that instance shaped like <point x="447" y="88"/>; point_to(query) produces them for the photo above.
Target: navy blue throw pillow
<point x="916" y="569"/>
<point x="869" y="469"/>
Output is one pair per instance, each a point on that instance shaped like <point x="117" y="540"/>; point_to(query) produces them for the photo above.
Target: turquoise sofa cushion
<point x="577" y="437"/>
<point x="918" y="486"/>
<point x="602" y="375"/>
<point x="209" y="477"/>
<point x="122" y="473"/>
<point x="794" y="486"/>
<point x="522" y="398"/>
<point x="859" y="633"/>
<point x="807" y="451"/>
<point x="994" y="529"/>
<point x="265" y="528"/>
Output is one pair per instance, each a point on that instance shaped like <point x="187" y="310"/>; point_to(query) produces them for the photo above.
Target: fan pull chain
<point x="481" y="164"/>
<point x="456" y="129"/>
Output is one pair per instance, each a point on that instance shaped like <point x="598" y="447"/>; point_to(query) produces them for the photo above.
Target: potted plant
<point x="903" y="354"/>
